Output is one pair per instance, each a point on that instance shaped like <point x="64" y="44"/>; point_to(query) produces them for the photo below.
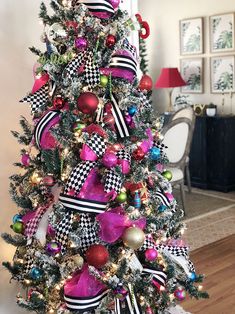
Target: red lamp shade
<point x="169" y="77"/>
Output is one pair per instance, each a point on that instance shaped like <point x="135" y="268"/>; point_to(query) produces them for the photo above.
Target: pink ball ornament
<point x="25" y="160"/>
<point x="128" y="119"/>
<point x="115" y="3"/>
<point x="48" y="181"/>
<point x="151" y="254"/>
<point x="180" y="294"/>
<point x="109" y="160"/>
<point x="81" y="43"/>
<point x="170" y="197"/>
<point x="53" y="248"/>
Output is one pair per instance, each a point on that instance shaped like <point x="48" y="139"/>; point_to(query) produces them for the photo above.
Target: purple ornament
<point x="51" y="231"/>
<point x="121" y="293"/>
<point x="53" y="248"/>
<point x="25" y="159"/>
<point x="81" y="43"/>
<point x="115" y="3"/>
<point x="109" y="160"/>
<point x="151" y="254"/>
<point x="128" y="119"/>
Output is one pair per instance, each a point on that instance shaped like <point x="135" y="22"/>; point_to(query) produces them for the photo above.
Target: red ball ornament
<point x="48" y="180"/>
<point x="87" y="103"/>
<point x="146" y="83"/>
<point x="138" y="154"/>
<point x="97" y="255"/>
<point x="58" y="102"/>
<point x="110" y="41"/>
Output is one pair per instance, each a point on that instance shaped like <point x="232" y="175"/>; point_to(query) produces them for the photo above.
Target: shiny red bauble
<point x="138" y="154"/>
<point x="58" y="102"/>
<point x="110" y="41"/>
<point x="146" y="83"/>
<point x="97" y="255"/>
<point x="87" y="103"/>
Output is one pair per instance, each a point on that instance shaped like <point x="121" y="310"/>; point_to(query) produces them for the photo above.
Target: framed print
<point x="192" y="73"/>
<point x="222" y="74"/>
<point x="191" y="36"/>
<point x="222" y="32"/>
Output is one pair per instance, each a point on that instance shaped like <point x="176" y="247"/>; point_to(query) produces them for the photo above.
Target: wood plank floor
<point x="217" y="261"/>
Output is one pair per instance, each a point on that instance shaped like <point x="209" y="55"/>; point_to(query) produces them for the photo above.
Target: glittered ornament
<point x="18" y="227"/>
<point x="146" y="83"/>
<point x="121" y="198"/>
<point x="48" y="181"/>
<point x="133" y="238"/>
<point x="137" y="200"/>
<point x="87" y="103"/>
<point x="97" y="255"/>
<point x="192" y="276"/>
<point x="17" y="218"/>
<point x="104" y="80"/>
<point x="154" y="153"/>
<point x="170" y="197"/>
<point x="56" y="33"/>
<point x="167" y="174"/>
<point x="121" y="293"/>
<point x="36" y="273"/>
<point x="58" y="102"/>
<point x="151" y="254"/>
<point x="138" y="154"/>
<point x="128" y="119"/>
<point x="25" y="159"/>
<point x="109" y="160"/>
<point x="110" y="41"/>
<point x="81" y="43"/>
<point x="132" y="110"/>
<point x="53" y="248"/>
<point x="35" y="178"/>
<point x="180" y="294"/>
<point x="78" y="260"/>
<point x="162" y="208"/>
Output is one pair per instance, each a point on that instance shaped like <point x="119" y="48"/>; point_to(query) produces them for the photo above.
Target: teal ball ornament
<point x="192" y="276"/>
<point x="162" y="208"/>
<point x="17" y="218"/>
<point x="154" y="153"/>
<point x="36" y="273"/>
<point x="132" y="110"/>
<point x="167" y="175"/>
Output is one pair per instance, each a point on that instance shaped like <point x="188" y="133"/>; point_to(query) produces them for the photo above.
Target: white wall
<point x="163" y="44"/>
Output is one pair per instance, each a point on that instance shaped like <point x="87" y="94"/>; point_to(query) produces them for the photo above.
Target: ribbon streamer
<point x="120" y="123"/>
<point x="129" y="305"/>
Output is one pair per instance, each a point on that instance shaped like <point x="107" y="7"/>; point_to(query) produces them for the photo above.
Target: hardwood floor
<point x="217" y="261"/>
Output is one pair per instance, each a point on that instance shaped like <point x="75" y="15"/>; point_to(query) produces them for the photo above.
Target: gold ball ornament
<point x="78" y="260"/>
<point x="133" y="238"/>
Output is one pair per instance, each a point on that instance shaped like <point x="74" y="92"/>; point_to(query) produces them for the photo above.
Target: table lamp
<point x="170" y="78"/>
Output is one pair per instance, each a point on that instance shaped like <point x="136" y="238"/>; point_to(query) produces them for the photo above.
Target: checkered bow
<point x="97" y="144"/>
<point x="113" y="182"/>
<point x="127" y="46"/>
<point x="122" y="154"/>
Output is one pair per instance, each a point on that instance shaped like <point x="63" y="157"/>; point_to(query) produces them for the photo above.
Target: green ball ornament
<point x="18" y="227"/>
<point x="104" y="80"/>
<point x="122" y="197"/>
<point x="167" y="175"/>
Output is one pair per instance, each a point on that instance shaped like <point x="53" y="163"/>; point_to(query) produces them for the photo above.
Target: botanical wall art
<point x="191" y="36"/>
<point x="192" y="73"/>
<point x="222" y="32"/>
<point x="222" y="74"/>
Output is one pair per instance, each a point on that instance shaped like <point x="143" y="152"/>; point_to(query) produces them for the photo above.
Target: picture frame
<point x="191" y="36"/>
<point x="222" y="74"/>
<point x="222" y="38"/>
<point x="192" y="71"/>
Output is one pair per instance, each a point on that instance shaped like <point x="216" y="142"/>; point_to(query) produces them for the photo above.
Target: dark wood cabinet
<point x="212" y="156"/>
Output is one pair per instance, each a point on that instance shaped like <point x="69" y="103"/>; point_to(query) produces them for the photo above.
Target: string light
<point x="200" y="287"/>
<point x="40" y="22"/>
<point x="162" y="288"/>
<point x="27" y="282"/>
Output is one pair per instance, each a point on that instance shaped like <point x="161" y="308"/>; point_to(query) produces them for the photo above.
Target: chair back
<point x="186" y="112"/>
<point x="177" y="137"/>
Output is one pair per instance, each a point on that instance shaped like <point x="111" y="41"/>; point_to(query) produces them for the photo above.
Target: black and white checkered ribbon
<point x="122" y="154"/>
<point x="32" y="225"/>
<point x="159" y="276"/>
<point x="63" y="229"/>
<point x="129" y="305"/>
<point x="144" y="101"/>
<point x="88" y="231"/>
<point x="177" y="253"/>
<point x="127" y="46"/>
<point x="112" y="182"/>
<point x="42" y="125"/>
<point x="98" y="144"/>
<point x="84" y="304"/>
<point x="91" y="69"/>
<point x="38" y="99"/>
<point x="96" y="5"/>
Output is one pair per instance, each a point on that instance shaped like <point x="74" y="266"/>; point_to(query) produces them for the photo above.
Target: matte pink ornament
<point x="25" y="159"/>
<point x="170" y="197"/>
<point x="109" y="160"/>
<point x="151" y="254"/>
<point x="128" y="119"/>
<point x="115" y="3"/>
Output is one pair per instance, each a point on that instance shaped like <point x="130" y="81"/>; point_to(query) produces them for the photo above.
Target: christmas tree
<point x="98" y="229"/>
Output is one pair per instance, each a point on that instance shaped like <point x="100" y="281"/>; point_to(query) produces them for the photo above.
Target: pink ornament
<point x="170" y="197"/>
<point x="180" y="294"/>
<point x="128" y="119"/>
<point x="125" y="165"/>
<point x="149" y="310"/>
<point x="151" y="254"/>
<point x="48" y="180"/>
<point x="51" y="231"/>
<point x="115" y="3"/>
<point x="25" y="159"/>
<point x="81" y="43"/>
<point x="109" y="160"/>
<point x="159" y="167"/>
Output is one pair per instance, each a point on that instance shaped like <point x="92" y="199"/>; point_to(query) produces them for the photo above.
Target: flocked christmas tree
<point x="98" y="229"/>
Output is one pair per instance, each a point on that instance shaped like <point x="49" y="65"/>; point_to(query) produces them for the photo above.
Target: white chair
<point x="177" y="137"/>
<point x="186" y="112"/>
